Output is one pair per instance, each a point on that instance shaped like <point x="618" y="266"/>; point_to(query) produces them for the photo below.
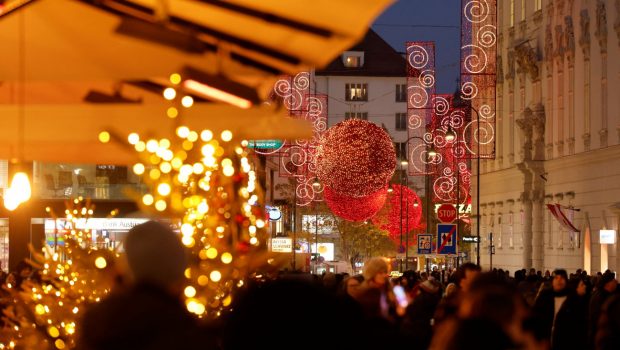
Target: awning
<point x="135" y="39"/>
<point x="69" y="133"/>
<point x="55" y="53"/>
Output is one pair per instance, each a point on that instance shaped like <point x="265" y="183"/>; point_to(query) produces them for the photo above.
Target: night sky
<point x="426" y="20"/>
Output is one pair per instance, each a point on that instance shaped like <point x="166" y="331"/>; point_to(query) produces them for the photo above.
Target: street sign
<point x="446" y="213"/>
<point x="469" y="239"/>
<point x="446" y="239"/>
<point x="425" y="244"/>
<point x="281" y="245"/>
<point x="265" y="144"/>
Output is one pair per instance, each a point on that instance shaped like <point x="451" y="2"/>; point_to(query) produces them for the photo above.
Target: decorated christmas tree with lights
<point x="206" y="181"/>
<point x="43" y="313"/>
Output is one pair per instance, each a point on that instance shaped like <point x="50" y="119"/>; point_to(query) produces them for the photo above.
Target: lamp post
<point x="477" y="184"/>
<point x="316" y="186"/>
<point x="477" y="187"/>
<point x="451" y="135"/>
<point x="430" y="153"/>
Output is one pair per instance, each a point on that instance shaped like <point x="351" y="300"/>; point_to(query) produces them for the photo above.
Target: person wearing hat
<point x="605" y="289"/>
<point x="372" y="293"/>
<point x="149" y="313"/>
<point x="558" y="313"/>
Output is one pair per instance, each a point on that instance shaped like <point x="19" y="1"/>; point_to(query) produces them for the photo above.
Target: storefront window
<point x="101" y="181"/>
<point x="4" y="244"/>
<point x="106" y="233"/>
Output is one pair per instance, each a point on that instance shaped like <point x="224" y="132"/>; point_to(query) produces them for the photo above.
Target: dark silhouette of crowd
<point x="463" y="308"/>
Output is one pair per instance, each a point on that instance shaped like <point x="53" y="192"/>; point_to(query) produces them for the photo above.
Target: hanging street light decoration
<point x="356" y="158"/>
<point x="393" y="214"/>
<point x="355" y="208"/>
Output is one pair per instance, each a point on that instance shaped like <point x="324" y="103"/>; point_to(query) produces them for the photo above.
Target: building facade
<point x="558" y="137"/>
<point x="369" y="81"/>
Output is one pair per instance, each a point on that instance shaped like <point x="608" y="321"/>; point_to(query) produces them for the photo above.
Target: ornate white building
<point x="558" y="132"/>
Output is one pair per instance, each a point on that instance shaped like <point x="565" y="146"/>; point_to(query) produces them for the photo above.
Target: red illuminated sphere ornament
<point x="355" y="208"/>
<point x="406" y="210"/>
<point x="355" y="158"/>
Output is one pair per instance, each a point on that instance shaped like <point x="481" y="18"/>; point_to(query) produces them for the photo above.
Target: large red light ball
<point x="355" y="158"/>
<point x="355" y="208"/>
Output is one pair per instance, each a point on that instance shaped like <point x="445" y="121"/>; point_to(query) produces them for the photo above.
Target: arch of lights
<point x="430" y="115"/>
<point x="297" y="158"/>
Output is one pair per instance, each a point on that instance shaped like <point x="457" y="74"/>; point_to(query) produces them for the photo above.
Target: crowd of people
<point x="461" y="309"/>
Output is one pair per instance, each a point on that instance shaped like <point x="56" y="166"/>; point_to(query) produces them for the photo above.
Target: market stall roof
<point x="58" y="55"/>
<point x="69" y="133"/>
<point x="135" y="39"/>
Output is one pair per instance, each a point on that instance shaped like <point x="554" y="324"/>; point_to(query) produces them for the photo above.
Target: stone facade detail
<point x="584" y="38"/>
<point x="601" y="25"/>
<point x="527" y="61"/>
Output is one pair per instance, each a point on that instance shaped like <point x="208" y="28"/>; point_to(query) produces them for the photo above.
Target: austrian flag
<point x="556" y="211"/>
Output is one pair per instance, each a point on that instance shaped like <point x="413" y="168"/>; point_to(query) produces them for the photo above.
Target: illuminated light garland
<point x="355" y="158"/>
<point x="355" y="208"/>
<point x="209" y="184"/>
<point x="406" y="211"/>
<point x="44" y="314"/>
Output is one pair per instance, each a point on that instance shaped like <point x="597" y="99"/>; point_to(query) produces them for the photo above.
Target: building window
<point x="512" y="13"/>
<point x="356" y="115"/>
<point x="401" y="92"/>
<point x="352" y="62"/>
<point x="401" y="150"/>
<point x="353" y="59"/>
<point x="522" y="10"/>
<point x="538" y="4"/>
<point x="356" y="92"/>
<point x="401" y="121"/>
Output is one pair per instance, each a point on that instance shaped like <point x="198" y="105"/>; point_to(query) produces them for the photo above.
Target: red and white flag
<point x="556" y="211"/>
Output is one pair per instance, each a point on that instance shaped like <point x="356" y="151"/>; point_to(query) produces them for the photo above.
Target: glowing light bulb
<point x="227" y="258"/>
<point x="183" y="131"/>
<point x="160" y="205"/>
<point x="10" y="199"/>
<point x="152" y="145"/>
<point x="138" y="168"/>
<point x="215" y="276"/>
<point x="101" y="263"/>
<point x="170" y="94"/>
<point x="175" y="78"/>
<point x="172" y="112"/>
<point x="187" y="101"/>
<point x="104" y="137"/>
<point x="228" y="171"/>
<point x="133" y="138"/>
<point x="206" y="135"/>
<point x="21" y="187"/>
<point x="190" y="292"/>
<point x="147" y="199"/>
<point x="226" y="135"/>
<point x="163" y="189"/>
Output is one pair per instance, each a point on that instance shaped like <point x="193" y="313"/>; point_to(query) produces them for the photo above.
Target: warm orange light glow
<point x="211" y="92"/>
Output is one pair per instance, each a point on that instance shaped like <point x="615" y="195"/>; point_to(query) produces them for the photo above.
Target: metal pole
<point x="316" y="240"/>
<point x="407" y="225"/>
<point x="458" y="191"/>
<point x="401" y="214"/>
<point x="491" y="251"/>
<point x="293" y="226"/>
<point x="428" y="214"/>
<point x="479" y="217"/>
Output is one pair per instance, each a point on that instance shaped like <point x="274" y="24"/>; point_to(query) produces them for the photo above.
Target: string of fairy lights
<point x="205" y="180"/>
<point x="44" y="313"/>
